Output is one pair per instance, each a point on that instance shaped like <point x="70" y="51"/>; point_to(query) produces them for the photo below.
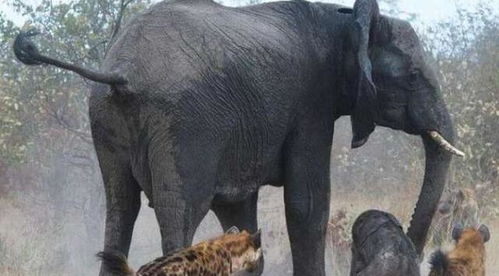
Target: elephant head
<point x="393" y="86"/>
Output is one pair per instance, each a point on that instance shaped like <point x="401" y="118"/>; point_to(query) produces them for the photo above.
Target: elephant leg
<point x="306" y="198"/>
<point x="178" y="219"/>
<point x="122" y="201"/>
<point x="241" y="214"/>
<point x="180" y="202"/>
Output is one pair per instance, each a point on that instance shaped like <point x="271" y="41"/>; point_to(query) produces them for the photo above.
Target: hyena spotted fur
<point x="468" y="256"/>
<point x="458" y="207"/>
<point x="230" y="253"/>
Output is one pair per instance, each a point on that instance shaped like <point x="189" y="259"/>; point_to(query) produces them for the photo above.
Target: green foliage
<point x="466" y="55"/>
<point x="45" y="101"/>
<point x="45" y="143"/>
<point x="43" y="115"/>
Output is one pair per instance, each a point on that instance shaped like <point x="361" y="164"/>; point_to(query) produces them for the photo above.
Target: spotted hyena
<point x="459" y="207"/>
<point x="230" y="253"/>
<point x="468" y="256"/>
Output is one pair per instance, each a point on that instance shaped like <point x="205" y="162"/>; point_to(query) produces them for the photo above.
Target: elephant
<point x="198" y="105"/>
<point x="381" y="248"/>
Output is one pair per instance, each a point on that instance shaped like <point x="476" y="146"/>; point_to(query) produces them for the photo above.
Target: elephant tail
<point x="439" y="263"/>
<point x="26" y="52"/>
<point x="116" y="263"/>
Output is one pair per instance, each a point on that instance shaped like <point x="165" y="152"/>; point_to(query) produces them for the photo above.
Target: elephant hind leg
<point x="241" y="214"/>
<point x="122" y="201"/>
<point x="181" y="193"/>
<point x="244" y="216"/>
<point x="178" y="219"/>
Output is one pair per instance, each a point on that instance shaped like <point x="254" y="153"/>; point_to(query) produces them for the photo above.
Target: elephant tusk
<point x="444" y="143"/>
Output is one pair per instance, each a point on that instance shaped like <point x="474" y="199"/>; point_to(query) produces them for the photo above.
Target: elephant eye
<point x="414" y="76"/>
<point x="413" y="79"/>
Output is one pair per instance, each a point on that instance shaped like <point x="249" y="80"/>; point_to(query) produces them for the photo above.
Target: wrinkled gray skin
<point x="202" y="104"/>
<point x="381" y="248"/>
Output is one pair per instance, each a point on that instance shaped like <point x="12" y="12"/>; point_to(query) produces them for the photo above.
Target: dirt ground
<point x="26" y="245"/>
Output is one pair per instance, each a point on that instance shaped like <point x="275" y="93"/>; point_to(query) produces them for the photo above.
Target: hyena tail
<point x="116" y="263"/>
<point x="439" y="263"/>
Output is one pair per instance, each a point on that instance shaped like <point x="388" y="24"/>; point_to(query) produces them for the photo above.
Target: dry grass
<point x="402" y="208"/>
<point x="33" y="248"/>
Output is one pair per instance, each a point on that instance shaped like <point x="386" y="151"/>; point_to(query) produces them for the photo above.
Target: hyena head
<point x="245" y="249"/>
<point x="471" y="236"/>
<point x="468" y="256"/>
<point x="461" y="205"/>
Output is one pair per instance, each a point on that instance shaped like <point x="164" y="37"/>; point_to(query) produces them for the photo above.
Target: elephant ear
<point x="365" y="16"/>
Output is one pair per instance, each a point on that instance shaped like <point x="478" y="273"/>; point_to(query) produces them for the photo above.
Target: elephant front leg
<point x="307" y="213"/>
<point x="306" y="198"/>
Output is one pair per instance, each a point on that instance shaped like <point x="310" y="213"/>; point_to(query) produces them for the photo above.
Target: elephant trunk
<point x="438" y="159"/>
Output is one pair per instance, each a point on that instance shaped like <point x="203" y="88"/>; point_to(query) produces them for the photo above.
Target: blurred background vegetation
<point x="51" y="195"/>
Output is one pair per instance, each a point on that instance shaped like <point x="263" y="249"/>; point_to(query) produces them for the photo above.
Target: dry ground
<point x="26" y="244"/>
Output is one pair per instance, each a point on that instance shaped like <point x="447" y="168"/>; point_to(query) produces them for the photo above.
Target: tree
<point x="38" y="100"/>
<point x="466" y="54"/>
<point x="45" y="139"/>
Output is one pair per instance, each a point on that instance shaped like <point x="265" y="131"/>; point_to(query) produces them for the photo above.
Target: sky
<point x="431" y="10"/>
<point x="427" y="11"/>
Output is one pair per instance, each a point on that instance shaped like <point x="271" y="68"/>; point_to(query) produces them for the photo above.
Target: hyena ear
<point x="256" y="238"/>
<point x="484" y="231"/>
<point x="456" y="231"/>
<point x="460" y="195"/>
<point x="233" y="230"/>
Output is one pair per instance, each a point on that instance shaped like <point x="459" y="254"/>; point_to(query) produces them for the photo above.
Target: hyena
<point x="468" y="256"/>
<point x="230" y="253"/>
<point x="459" y="207"/>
